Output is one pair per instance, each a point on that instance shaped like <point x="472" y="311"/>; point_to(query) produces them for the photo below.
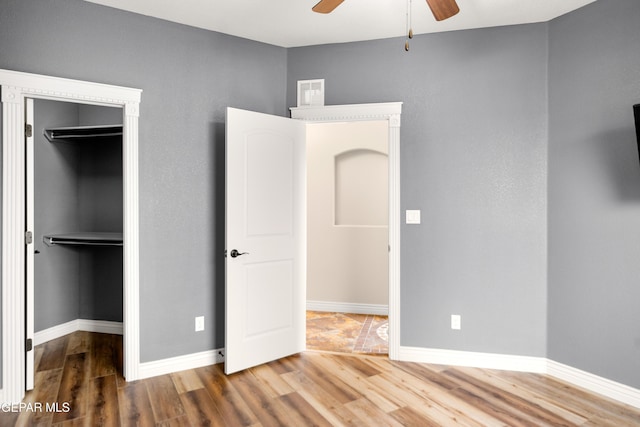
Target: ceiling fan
<point x="442" y="9"/>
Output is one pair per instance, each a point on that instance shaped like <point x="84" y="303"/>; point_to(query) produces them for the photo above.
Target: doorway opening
<point x="265" y="283"/>
<point x="74" y="212"/>
<point x="15" y="88"/>
<point x="347" y="236"/>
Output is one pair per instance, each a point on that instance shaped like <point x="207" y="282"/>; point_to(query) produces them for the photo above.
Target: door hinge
<point x="28" y="238"/>
<point x="29" y="344"/>
<point x="28" y="130"/>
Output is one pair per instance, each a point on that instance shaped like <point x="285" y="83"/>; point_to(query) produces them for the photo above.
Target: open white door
<point x="265" y="239"/>
<point x="29" y="247"/>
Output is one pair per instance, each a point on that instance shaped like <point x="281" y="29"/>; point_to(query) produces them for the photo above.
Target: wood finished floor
<point x="310" y="389"/>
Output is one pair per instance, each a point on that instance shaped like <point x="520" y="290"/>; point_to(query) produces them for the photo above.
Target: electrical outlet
<point x="456" y="321"/>
<point x="199" y="323"/>
<point x="412" y="216"/>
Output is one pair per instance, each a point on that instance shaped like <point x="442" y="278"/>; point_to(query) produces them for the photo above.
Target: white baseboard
<point x="596" y="384"/>
<point x="147" y="369"/>
<point x="614" y="390"/>
<point x="347" y="307"/>
<point x="473" y="359"/>
<point x="540" y="365"/>
<point x="180" y="363"/>
<point x="102" y="326"/>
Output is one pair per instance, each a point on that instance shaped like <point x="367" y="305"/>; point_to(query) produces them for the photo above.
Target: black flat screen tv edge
<point x="636" y="114"/>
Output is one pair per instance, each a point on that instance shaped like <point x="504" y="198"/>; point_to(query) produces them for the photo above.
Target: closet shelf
<point x="92" y="239"/>
<point x="80" y="133"/>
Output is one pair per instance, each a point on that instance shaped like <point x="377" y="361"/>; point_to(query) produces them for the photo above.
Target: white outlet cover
<point x="413" y="216"/>
<point x="199" y="323"/>
<point x="456" y="322"/>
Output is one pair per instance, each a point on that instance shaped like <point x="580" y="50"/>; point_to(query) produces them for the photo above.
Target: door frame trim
<point x="15" y="87"/>
<point x="390" y="111"/>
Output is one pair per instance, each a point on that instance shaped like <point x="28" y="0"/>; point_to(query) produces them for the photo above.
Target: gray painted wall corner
<point x="594" y="191"/>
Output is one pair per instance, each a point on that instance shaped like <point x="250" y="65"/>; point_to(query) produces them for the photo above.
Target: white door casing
<point x="266" y="224"/>
<point x="390" y="111"/>
<point x="15" y="87"/>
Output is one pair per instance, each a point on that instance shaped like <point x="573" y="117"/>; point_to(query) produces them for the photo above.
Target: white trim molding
<point x="474" y="359"/>
<point x="16" y="87"/>
<point x="145" y="370"/>
<point x="538" y="365"/>
<point x="594" y="383"/>
<point x="348" y="307"/>
<point x="350" y="112"/>
<point x="100" y="326"/>
<point x="181" y="363"/>
<point x="390" y="111"/>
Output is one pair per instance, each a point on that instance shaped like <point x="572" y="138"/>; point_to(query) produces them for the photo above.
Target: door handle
<point x="234" y="253"/>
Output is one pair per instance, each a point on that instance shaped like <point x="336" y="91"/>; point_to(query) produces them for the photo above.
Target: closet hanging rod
<point x="87" y="239"/>
<point x="76" y="133"/>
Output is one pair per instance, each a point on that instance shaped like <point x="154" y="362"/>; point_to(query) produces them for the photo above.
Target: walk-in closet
<point x="77" y="215"/>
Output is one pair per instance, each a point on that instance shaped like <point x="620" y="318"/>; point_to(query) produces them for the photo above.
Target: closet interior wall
<point x="78" y="187"/>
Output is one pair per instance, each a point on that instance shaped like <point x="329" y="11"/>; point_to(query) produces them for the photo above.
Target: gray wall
<point x="78" y="187"/>
<point x="100" y="190"/>
<point x="56" y="269"/>
<point x="594" y="190"/>
<point x="473" y="159"/>
<point x="189" y="77"/>
<point x="478" y="127"/>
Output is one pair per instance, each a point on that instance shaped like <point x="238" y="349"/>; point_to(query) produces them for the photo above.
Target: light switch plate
<point x="413" y="216"/>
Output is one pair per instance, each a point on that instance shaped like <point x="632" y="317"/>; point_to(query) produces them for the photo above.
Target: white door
<point x="29" y="196"/>
<point x="265" y="239"/>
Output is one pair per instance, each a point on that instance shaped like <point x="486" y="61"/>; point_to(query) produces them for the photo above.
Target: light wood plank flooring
<point x="82" y="370"/>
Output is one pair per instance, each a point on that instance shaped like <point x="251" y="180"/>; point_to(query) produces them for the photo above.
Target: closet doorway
<point x="347" y="236"/>
<point x="74" y="213"/>
<point x="15" y="88"/>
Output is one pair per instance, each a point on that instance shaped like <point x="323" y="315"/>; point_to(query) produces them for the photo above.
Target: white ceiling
<point x="290" y="23"/>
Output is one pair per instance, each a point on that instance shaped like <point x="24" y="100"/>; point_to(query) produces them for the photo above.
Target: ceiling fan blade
<point x="443" y="9"/>
<point x="326" y="6"/>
